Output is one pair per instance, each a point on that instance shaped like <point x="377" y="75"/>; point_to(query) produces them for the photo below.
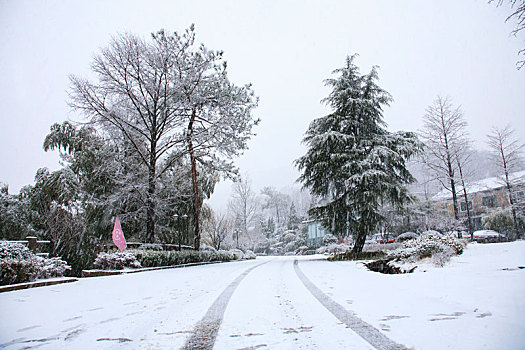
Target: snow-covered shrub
<point x="225" y="255"/>
<point x="302" y="250"/>
<point x="431" y="232"/>
<point x="249" y="255"/>
<point x="290" y="247"/>
<point x="237" y="254"/>
<point x="10" y="250"/>
<point x="18" y="270"/>
<point x="329" y="239"/>
<point x="289" y="237"/>
<point x="17" y="263"/>
<point x="427" y="246"/>
<point x="333" y="248"/>
<point x="116" y="261"/>
<point x="406" y="236"/>
<point x="52" y="267"/>
<point x="499" y="221"/>
<point x="207" y="248"/>
<point x="441" y="257"/>
<point x="151" y="246"/>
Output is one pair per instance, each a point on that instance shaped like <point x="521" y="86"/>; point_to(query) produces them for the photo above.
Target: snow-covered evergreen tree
<point x="353" y="163"/>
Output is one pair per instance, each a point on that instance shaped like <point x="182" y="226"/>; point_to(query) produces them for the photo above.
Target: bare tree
<point x="444" y="136"/>
<point x="507" y="154"/>
<point x="243" y="204"/>
<point x="217" y="229"/>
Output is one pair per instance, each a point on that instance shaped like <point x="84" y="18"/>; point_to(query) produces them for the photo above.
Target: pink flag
<point x="118" y="236"/>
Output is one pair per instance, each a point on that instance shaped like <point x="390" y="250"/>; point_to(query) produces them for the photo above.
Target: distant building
<point x="315" y="232"/>
<point x="483" y="197"/>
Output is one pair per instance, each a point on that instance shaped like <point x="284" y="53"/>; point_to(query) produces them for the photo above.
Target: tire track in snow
<point x="366" y="331"/>
<point x="205" y="332"/>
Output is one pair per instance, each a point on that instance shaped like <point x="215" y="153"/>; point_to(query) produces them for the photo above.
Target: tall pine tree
<point x="353" y="163"/>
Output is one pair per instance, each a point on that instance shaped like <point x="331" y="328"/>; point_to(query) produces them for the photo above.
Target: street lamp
<point x="236" y="233"/>
<point x="178" y="217"/>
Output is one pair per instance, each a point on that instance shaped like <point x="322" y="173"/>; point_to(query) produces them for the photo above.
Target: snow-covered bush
<point x="225" y="255"/>
<point x="17" y="263"/>
<point x="440" y="248"/>
<point x="406" y="236"/>
<point x="249" y="255"/>
<point x="499" y="221"/>
<point x="52" y="267"/>
<point x="442" y="256"/>
<point x="289" y="237"/>
<point x="237" y="254"/>
<point x="18" y="270"/>
<point x="302" y="250"/>
<point x="116" y="261"/>
<point x="329" y="239"/>
<point x="431" y="232"/>
<point x="10" y="250"/>
<point x="333" y="248"/>
<point x="207" y="248"/>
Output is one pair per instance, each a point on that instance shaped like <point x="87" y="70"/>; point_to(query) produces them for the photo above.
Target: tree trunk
<point x="359" y="242"/>
<point x="469" y="220"/>
<point x="511" y="202"/>
<point x="453" y="189"/>
<point x="196" y="204"/>
<point x="150" y="207"/>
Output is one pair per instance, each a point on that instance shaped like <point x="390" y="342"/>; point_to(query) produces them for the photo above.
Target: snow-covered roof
<point x="487" y="184"/>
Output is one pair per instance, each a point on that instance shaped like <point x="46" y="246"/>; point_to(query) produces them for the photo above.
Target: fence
<point x="33" y="244"/>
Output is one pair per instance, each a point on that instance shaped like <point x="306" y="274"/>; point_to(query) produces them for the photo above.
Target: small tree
<point x="507" y="154"/>
<point x="217" y="228"/>
<point x="353" y="163"/>
<point x="243" y="206"/>
<point x="499" y="221"/>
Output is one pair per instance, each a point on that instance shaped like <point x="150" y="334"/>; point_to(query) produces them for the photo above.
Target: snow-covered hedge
<point x="116" y="261"/>
<point x="151" y="258"/>
<point x="18" y="264"/>
<point x="151" y="246"/>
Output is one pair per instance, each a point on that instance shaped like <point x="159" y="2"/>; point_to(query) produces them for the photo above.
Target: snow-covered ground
<point x="476" y="302"/>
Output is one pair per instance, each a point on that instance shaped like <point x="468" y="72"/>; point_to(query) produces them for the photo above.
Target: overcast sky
<point x="462" y="49"/>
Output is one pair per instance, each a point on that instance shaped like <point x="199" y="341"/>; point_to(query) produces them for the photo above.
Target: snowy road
<point x="474" y="303"/>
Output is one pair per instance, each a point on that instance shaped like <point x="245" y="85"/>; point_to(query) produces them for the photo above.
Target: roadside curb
<point x="26" y="285"/>
<point x="99" y="273"/>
